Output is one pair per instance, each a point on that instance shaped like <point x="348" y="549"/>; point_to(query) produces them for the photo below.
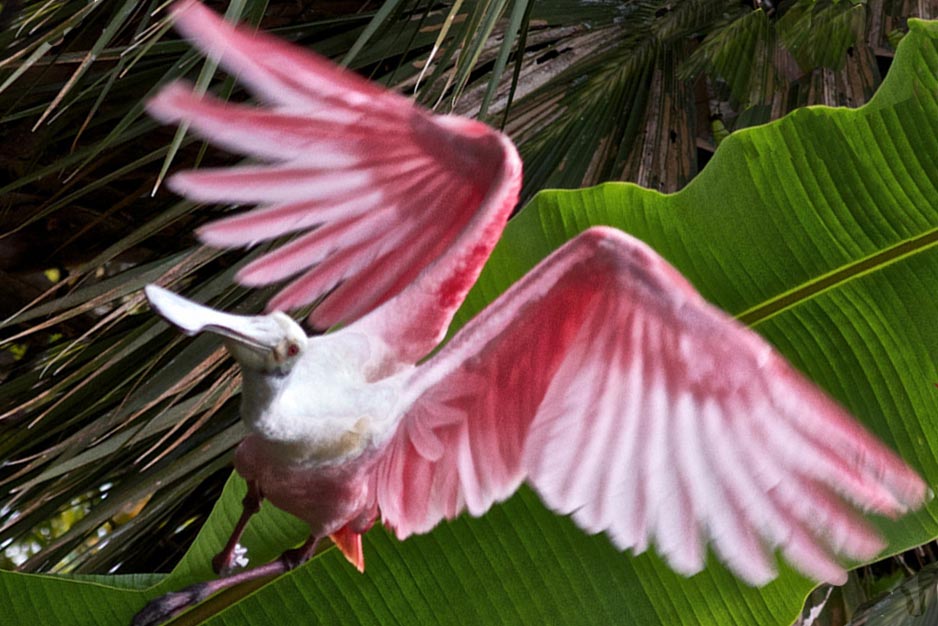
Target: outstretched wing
<point x="386" y="199"/>
<point x="605" y="380"/>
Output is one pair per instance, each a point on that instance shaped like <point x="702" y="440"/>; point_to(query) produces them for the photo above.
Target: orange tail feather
<point x="350" y="543"/>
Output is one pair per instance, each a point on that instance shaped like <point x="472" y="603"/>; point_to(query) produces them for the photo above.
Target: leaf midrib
<point x="831" y="280"/>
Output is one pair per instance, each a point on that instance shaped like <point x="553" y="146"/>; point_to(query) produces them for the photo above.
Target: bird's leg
<point x="223" y="562"/>
<point x="171" y="604"/>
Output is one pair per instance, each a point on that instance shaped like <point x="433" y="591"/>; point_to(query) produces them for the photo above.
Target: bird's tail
<point x="350" y="543"/>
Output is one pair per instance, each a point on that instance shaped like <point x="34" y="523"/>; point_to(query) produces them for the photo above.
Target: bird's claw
<point x="165" y="607"/>
<point x="227" y="561"/>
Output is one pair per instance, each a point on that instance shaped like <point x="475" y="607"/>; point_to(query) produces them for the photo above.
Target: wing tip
<point x="181" y="6"/>
<point x="248" y="276"/>
<point x="908" y="493"/>
<point x="192" y="18"/>
<point x="684" y="563"/>
<point x="181" y="183"/>
<point x="166" y="106"/>
<point x="888" y="486"/>
<point x="208" y="31"/>
<point x="219" y="235"/>
<point x="915" y="491"/>
<point x="755" y="576"/>
<point x="210" y="236"/>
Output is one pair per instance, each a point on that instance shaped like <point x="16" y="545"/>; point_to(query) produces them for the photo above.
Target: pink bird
<point x="601" y="378"/>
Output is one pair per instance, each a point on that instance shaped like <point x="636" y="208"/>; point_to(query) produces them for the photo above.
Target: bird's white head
<point x="269" y="344"/>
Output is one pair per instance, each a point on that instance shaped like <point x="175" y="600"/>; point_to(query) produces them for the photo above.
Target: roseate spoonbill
<point x="601" y="378"/>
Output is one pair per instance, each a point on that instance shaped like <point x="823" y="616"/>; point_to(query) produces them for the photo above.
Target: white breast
<point x="325" y="410"/>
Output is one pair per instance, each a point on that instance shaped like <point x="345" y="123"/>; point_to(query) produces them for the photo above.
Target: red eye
<point x="293" y="349"/>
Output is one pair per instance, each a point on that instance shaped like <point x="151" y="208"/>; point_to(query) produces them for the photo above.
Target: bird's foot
<point x="164" y="608"/>
<point x="292" y="559"/>
<point x="222" y="563"/>
<point x="227" y="561"/>
<point x="171" y="604"/>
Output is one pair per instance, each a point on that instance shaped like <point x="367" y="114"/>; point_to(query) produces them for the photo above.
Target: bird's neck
<point x="259" y="392"/>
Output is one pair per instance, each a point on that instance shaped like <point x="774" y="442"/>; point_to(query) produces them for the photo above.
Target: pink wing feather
<point x="604" y="380"/>
<point x="392" y="205"/>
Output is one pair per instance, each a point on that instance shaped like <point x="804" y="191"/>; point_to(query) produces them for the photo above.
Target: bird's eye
<point x="293" y="349"/>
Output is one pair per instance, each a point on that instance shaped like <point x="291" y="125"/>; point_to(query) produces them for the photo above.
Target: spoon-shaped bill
<point x="258" y="331"/>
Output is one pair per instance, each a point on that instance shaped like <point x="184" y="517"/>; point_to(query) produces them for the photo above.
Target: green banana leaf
<point x="818" y="230"/>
